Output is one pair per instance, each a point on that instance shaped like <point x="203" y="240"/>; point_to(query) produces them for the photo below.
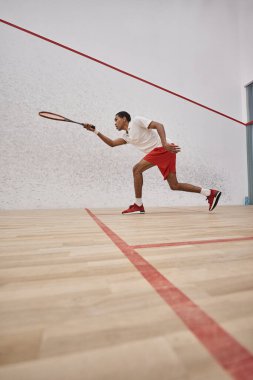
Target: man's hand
<point x="89" y="127"/>
<point x="172" y="148"/>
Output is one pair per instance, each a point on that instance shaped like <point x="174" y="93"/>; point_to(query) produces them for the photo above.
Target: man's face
<point x="119" y="122"/>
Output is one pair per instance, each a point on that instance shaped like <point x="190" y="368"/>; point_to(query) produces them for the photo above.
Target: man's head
<point x="122" y="120"/>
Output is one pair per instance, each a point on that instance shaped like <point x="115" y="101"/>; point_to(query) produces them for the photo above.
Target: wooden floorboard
<point x="72" y="306"/>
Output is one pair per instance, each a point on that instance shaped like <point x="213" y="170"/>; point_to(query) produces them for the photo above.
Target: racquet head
<point x="53" y="116"/>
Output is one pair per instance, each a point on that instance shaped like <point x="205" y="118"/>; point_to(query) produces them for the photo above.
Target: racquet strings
<point x="53" y="116"/>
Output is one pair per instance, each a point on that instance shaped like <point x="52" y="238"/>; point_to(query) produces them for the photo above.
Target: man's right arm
<point x="111" y="143"/>
<point x="105" y="139"/>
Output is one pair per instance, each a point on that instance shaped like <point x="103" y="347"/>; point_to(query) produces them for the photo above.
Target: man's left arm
<point x="161" y="132"/>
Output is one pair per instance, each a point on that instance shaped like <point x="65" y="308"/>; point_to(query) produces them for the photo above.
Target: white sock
<point x="138" y="201"/>
<point x="205" y="192"/>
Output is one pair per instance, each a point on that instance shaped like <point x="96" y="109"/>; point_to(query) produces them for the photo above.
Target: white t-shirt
<point x="140" y="136"/>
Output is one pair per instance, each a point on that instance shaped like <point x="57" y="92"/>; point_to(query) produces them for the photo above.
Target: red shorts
<point x="165" y="160"/>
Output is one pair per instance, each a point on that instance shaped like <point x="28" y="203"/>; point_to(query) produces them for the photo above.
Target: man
<point x="149" y="136"/>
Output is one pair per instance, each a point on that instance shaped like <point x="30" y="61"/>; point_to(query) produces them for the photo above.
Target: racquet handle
<point x="91" y="126"/>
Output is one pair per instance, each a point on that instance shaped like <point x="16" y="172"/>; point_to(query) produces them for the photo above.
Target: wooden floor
<point x="80" y="295"/>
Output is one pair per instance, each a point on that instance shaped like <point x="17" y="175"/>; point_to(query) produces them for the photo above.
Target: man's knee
<point x="174" y="186"/>
<point x="137" y="169"/>
<point x="141" y="167"/>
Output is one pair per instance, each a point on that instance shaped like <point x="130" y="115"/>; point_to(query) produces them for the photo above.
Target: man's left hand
<point x="172" y="148"/>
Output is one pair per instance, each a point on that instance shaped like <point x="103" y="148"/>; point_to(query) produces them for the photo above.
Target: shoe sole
<point x="216" y="201"/>
<point x="135" y="212"/>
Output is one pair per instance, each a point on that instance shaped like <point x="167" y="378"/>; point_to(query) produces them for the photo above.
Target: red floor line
<point x="230" y="354"/>
<point x="124" y="72"/>
<point x="191" y="242"/>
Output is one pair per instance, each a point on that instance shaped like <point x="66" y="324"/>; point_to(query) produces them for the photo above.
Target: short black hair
<point x="124" y="114"/>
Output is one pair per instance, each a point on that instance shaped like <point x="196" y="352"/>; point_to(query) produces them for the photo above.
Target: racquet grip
<point x="91" y="126"/>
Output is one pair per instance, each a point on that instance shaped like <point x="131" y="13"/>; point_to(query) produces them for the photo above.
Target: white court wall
<point x="196" y="48"/>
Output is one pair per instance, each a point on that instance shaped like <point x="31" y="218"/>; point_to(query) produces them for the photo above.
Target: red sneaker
<point x="134" y="209"/>
<point x="213" y="199"/>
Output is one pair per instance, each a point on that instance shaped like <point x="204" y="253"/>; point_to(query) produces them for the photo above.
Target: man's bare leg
<point x="175" y="185"/>
<point x="212" y="195"/>
<point x="138" y="169"/>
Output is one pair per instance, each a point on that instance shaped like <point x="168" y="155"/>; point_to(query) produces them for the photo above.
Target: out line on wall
<point x="124" y="72"/>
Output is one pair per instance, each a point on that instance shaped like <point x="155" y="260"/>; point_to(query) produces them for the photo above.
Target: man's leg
<point x="138" y="169"/>
<point x="175" y="185"/>
<point x="212" y="195"/>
